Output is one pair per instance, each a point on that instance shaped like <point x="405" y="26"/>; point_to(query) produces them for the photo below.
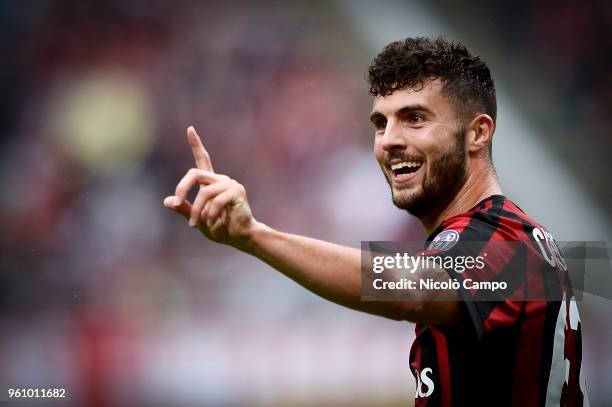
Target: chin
<point x="406" y="200"/>
<point x="415" y="202"/>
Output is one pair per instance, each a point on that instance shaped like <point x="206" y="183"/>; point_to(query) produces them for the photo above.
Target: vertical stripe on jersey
<point x="443" y="367"/>
<point x="428" y="358"/>
<point x="559" y="366"/>
<point x="526" y="388"/>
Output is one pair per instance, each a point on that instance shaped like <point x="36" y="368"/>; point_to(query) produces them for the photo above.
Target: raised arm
<point x="222" y="213"/>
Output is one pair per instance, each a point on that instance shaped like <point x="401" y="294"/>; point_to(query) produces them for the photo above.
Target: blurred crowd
<point x="104" y="291"/>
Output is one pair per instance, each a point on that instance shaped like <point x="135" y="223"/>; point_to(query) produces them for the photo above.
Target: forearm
<point x="328" y="270"/>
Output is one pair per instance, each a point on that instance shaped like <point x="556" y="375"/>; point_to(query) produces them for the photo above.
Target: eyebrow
<point x="406" y="109"/>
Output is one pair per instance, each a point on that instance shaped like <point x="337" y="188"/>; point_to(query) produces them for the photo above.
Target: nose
<point x="393" y="138"/>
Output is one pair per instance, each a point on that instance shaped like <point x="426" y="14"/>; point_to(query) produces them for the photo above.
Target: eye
<point x="379" y="124"/>
<point x="415" y="118"/>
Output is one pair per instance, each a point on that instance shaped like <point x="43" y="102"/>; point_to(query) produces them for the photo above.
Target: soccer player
<point x="434" y="112"/>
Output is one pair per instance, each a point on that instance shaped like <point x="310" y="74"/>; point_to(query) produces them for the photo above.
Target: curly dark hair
<point x="467" y="81"/>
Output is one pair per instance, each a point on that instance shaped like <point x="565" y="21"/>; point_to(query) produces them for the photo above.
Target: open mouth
<point x="405" y="168"/>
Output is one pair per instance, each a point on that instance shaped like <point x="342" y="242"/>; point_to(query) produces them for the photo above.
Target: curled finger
<point x="230" y="196"/>
<point x="204" y="195"/>
<point x="195" y="176"/>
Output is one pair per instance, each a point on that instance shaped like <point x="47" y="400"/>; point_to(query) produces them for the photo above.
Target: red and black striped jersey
<point x="505" y="352"/>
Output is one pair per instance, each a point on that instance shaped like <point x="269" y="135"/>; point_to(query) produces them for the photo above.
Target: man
<point x="434" y="112"/>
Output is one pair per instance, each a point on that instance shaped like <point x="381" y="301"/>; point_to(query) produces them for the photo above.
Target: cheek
<point x="433" y="143"/>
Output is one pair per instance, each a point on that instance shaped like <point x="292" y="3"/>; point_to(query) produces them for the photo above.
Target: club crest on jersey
<point x="444" y="240"/>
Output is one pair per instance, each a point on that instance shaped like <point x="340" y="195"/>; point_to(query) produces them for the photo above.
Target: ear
<point x="480" y="133"/>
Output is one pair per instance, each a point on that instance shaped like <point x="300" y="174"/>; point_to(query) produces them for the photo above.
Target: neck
<point x="480" y="184"/>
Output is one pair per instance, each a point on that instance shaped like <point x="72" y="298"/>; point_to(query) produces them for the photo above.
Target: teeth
<point x="404" y="164"/>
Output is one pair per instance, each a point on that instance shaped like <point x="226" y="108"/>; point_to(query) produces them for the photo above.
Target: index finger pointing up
<point x="202" y="159"/>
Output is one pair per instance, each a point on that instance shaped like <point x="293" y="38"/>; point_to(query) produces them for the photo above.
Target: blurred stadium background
<point x="106" y="293"/>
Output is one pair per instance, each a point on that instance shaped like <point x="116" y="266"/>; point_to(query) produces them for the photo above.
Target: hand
<point x="220" y="210"/>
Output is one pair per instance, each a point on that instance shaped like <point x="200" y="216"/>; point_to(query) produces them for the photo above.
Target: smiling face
<point x="420" y="146"/>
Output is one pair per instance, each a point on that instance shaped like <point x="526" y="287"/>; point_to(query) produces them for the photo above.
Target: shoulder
<point x="494" y="218"/>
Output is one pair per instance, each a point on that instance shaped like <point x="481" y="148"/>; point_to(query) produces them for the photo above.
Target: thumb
<point x="182" y="209"/>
